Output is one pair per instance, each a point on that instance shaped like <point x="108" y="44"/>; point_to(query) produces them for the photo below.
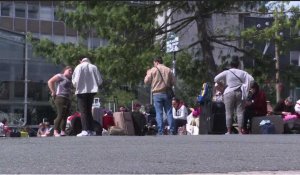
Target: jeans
<point x="85" y="102"/>
<point x="163" y="103"/>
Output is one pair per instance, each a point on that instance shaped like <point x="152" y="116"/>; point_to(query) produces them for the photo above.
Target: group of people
<point x="235" y="87"/>
<point x="84" y="80"/>
<point x="244" y="96"/>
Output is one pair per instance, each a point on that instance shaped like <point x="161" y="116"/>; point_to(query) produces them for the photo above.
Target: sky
<point x="292" y="3"/>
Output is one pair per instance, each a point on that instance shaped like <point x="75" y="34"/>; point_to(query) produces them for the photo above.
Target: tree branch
<point x="229" y="45"/>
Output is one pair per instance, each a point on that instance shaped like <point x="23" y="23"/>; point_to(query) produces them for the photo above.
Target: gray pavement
<point x="204" y="154"/>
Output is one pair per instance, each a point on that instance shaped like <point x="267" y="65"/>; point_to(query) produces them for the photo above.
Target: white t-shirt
<point x="180" y="113"/>
<point x="86" y="78"/>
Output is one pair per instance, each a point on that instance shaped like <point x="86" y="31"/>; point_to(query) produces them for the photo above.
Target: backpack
<point x="205" y="93"/>
<point x="73" y="126"/>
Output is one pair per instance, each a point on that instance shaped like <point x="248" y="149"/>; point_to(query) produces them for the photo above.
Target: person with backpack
<point x="161" y="79"/>
<point x="237" y="84"/>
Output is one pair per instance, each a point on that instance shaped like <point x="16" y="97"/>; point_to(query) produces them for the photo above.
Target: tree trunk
<point x="207" y="49"/>
<point x="277" y="75"/>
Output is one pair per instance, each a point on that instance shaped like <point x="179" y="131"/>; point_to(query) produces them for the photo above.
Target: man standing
<point x="238" y="85"/>
<point x="160" y="77"/>
<point x="86" y="79"/>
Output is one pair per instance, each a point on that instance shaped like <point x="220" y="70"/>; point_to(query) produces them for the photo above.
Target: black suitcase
<point x="218" y="118"/>
<point x="139" y="123"/>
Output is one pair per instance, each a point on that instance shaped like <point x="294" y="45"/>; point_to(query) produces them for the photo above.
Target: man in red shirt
<point x="256" y="105"/>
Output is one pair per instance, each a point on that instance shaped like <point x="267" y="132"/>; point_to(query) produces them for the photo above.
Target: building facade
<point x="18" y="62"/>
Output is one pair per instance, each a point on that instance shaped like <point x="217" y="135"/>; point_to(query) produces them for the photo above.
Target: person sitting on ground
<point x="284" y="107"/>
<point x="180" y="113"/>
<point x="44" y="130"/>
<point x="193" y="120"/>
<point x="255" y="105"/>
<point x="123" y="109"/>
<point x="295" y="115"/>
<point x="4" y="129"/>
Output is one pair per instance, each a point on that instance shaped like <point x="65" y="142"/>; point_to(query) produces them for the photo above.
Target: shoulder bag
<point x="169" y="91"/>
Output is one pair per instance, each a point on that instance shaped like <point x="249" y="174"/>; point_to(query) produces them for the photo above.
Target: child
<point x="193" y="121"/>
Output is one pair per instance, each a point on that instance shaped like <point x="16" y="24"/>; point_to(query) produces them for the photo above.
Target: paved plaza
<point x="225" y="154"/>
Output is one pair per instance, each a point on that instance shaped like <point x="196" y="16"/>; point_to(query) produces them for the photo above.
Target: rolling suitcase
<point x="124" y="121"/>
<point x="139" y="123"/>
<point x="218" y="119"/>
<point x="97" y="111"/>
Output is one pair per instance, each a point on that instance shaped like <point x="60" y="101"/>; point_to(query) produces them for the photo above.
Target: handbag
<point x="169" y="91"/>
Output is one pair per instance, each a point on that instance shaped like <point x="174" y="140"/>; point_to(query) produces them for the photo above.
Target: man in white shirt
<point x="86" y="79"/>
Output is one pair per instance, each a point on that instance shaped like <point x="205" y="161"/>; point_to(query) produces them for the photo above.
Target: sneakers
<point x="56" y="134"/>
<point x="83" y="133"/>
<point x="62" y="133"/>
<point x="92" y="133"/>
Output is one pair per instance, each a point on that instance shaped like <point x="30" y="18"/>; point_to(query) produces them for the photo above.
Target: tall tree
<point x="283" y="32"/>
<point x="131" y="32"/>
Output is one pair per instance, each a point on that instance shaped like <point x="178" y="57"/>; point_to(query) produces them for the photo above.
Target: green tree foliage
<point x="283" y="32"/>
<point x="132" y="36"/>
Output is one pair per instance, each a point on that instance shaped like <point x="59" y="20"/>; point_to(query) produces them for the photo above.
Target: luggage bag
<point x="139" y="123"/>
<point x="275" y="119"/>
<point x="124" y="121"/>
<point x="218" y="119"/>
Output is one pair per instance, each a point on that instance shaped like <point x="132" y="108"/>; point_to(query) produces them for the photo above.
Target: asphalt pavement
<point x="204" y="154"/>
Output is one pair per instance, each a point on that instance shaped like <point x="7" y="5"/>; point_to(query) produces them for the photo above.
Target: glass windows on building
<point x="56" y="18"/>
<point x="6" y="9"/>
<point x="33" y="11"/>
<point x="295" y="58"/>
<point x="46" y="13"/>
<point x="4" y="90"/>
<point x="12" y="84"/>
<point x="20" y="10"/>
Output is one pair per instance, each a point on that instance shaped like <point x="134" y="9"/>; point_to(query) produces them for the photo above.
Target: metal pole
<point x="174" y="67"/>
<point x="174" y="63"/>
<point x="25" y="82"/>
